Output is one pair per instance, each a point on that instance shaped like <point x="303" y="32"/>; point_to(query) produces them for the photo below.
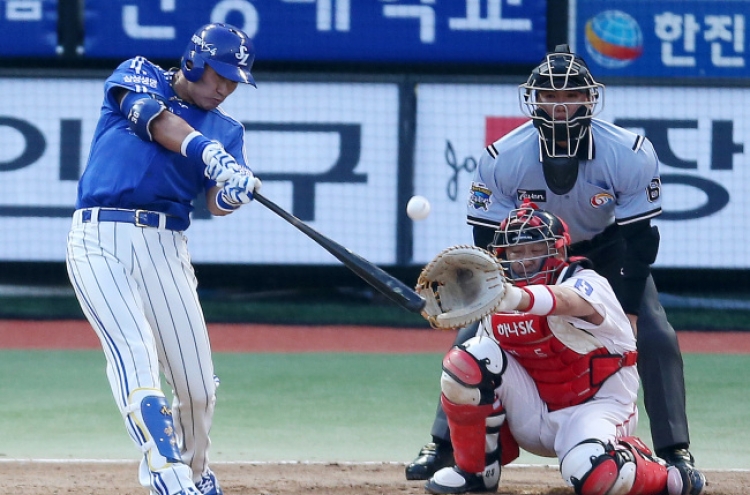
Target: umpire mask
<point x="561" y="97"/>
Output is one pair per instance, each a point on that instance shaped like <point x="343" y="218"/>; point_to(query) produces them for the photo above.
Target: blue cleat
<point x="209" y="485"/>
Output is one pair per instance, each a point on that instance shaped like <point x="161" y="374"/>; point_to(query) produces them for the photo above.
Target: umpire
<point x="604" y="181"/>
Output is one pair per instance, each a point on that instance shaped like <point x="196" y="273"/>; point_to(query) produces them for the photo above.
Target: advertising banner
<point x="329" y="153"/>
<point x="668" y="38"/>
<point x="460" y="31"/>
<point x="326" y="152"/>
<point x="703" y="148"/>
<point x="29" y="27"/>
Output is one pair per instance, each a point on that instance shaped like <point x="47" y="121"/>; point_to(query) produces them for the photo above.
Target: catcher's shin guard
<point x="475" y="432"/>
<point x="627" y="468"/>
<point x="148" y="418"/>
<point x="474" y="435"/>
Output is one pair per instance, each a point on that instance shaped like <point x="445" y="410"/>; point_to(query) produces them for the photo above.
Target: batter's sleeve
<point x="137" y="75"/>
<point x="235" y="145"/>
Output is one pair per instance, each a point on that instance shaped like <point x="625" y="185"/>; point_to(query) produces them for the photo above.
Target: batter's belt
<point x="139" y="218"/>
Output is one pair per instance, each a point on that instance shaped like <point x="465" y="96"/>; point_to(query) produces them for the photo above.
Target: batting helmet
<point x="561" y="70"/>
<point x="224" y="48"/>
<point x="527" y="225"/>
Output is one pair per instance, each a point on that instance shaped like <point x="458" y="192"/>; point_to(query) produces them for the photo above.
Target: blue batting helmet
<point x="226" y="49"/>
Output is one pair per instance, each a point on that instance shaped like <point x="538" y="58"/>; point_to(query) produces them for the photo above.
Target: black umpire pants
<point x="659" y="359"/>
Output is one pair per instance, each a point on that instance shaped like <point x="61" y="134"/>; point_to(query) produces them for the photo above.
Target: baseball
<point x="418" y="208"/>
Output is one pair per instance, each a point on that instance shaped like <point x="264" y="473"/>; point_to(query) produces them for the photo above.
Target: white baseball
<point x="418" y="208"/>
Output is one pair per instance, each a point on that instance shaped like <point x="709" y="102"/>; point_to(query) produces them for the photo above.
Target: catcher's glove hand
<point x="461" y="285"/>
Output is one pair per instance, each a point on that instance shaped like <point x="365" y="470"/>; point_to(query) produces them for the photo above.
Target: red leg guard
<point x="626" y="468"/>
<point x="650" y="476"/>
<point x="601" y="478"/>
<point x="467" y="426"/>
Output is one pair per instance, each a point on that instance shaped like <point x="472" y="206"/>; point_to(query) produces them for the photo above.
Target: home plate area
<point x="62" y="477"/>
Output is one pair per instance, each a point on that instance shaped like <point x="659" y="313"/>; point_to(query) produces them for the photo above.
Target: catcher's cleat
<point x="455" y="480"/>
<point x="209" y="485"/>
<point x="682" y="476"/>
<point x="432" y="457"/>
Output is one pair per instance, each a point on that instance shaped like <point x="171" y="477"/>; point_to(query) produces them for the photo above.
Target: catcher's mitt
<point x="461" y="285"/>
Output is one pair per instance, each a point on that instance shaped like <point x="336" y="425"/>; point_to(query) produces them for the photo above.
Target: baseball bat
<point x="386" y="284"/>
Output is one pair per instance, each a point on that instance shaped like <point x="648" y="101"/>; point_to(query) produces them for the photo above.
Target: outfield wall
<point x="345" y="156"/>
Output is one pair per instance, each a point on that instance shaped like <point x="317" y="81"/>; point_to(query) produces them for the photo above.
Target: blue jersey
<point x="620" y="183"/>
<point x="124" y="171"/>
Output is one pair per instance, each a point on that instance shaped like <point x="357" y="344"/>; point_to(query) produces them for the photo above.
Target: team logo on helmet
<point x="601" y="199"/>
<point x="242" y="55"/>
<point x="204" y="47"/>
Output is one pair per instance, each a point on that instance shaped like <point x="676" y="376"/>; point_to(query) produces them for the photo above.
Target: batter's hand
<point x="220" y="165"/>
<point x="239" y="189"/>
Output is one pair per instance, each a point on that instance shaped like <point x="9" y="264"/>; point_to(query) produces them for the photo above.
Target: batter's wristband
<point x="192" y="146"/>
<point x="542" y="302"/>
<point x="223" y="205"/>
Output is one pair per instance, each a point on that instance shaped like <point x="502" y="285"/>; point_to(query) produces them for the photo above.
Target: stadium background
<point x="359" y="106"/>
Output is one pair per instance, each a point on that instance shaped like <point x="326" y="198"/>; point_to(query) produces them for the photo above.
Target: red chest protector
<point x="563" y="377"/>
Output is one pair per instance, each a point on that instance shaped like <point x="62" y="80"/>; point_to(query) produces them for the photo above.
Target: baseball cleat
<point x="682" y="476"/>
<point x="455" y="480"/>
<point x="209" y="485"/>
<point x="432" y="457"/>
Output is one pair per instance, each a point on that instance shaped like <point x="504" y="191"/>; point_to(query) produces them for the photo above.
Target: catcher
<point x="551" y="369"/>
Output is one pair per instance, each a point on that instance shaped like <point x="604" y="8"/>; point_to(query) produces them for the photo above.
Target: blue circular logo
<point x="613" y="39"/>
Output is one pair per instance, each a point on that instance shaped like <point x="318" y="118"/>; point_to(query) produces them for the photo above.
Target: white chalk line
<point x="305" y="463"/>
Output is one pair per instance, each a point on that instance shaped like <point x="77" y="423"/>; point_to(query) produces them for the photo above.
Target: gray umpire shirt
<point x="619" y="184"/>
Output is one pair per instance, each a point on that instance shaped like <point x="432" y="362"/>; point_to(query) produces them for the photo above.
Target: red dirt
<point x="77" y="334"/>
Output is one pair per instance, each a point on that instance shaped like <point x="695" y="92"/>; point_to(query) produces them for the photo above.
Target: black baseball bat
<point x="386" y="284"/>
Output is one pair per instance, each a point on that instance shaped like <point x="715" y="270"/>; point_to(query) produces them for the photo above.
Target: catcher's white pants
<point x="137" y="288"/>
<point x="553" y="434"/>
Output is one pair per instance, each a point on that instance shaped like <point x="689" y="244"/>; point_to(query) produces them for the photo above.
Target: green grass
<point x="312" y="407"/>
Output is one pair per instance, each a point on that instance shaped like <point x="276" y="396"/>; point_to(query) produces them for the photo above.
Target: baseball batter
<point x="556" y="363"/>
<point x="161" y="140"/>
<point x="604" y="181"/>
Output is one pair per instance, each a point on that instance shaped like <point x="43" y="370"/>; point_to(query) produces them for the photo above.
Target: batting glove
<point x="220" y="165"/>
<point x="237" y="191"/>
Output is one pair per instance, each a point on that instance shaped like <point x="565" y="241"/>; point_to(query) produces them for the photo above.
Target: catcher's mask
<point x="561" y="97"/>
<point x="531" y="244"/>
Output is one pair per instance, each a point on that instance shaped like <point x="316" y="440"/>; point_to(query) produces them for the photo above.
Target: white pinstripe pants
<point x="137" y="288"/>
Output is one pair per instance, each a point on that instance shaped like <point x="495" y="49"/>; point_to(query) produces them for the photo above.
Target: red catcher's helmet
<point x="224" y="48"/>
<point x="529" y="225"/>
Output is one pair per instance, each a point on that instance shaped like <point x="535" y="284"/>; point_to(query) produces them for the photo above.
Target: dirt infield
<point x="43" y="478"/>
